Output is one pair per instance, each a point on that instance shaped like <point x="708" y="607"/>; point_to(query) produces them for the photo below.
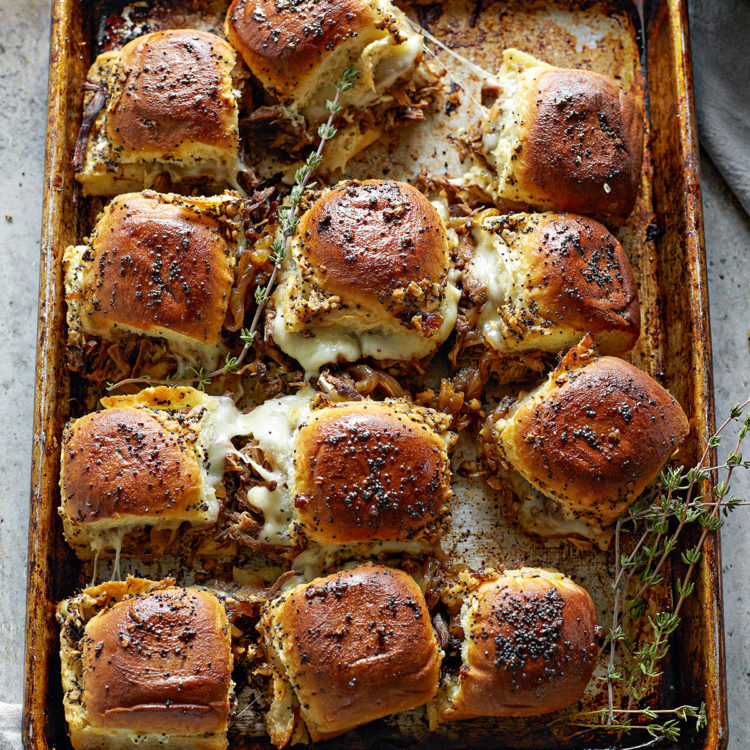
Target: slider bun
<point x="529" y="647"/>
<point x="550" y="279"/>
<point x="298" y="50"/>
<point x="172" y="95"/>
<point x="354" y="646"/>
<point x="377" y="242"/>
<point x="593" y="436"/>
<point x="130" y="465"/>
<point x="367" y="471"/>
<point x="370" y="259"/>
<point x="159" y="662"/>
<point x="158" y="265"/>
<point x="127" y="462"/>
<point x="570" y="140"/>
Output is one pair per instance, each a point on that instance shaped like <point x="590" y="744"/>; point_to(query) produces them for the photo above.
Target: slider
<point x="526" y="645"/>
<point x="562" y="139"/>
<point x="549" y="279"/>
<point x="348" y="649"/>
<point x="298" y="50"/>
<point x="581" y="448"/>
<point x="145" y="665"/>
<point x="145" y="463"/>
<point x="168" y="105"/>
<point x="348" y="472"/>
<point x="156" y="265"/>
<point x="368" y="275"/>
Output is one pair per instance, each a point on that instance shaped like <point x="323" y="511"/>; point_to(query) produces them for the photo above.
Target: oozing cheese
<point x="381" y="62"/>
<point x="499" y="132"/>
<point x="500" y="269"/>
<point x="272" y="425"/>
<point x="385" y="62"/>
<point x="334" y="343"/>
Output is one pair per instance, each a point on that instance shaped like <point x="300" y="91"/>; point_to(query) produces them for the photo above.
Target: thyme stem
<point x="288" y="224"/>
<point x="647" y="559"/>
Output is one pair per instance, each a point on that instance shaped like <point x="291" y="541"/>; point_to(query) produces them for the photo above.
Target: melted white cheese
<point x="380" y="63"/>
<point x="387" y="62"/>
<point x="499" y="136"/>
<point x="500" y="269"/>
<point x="334" y="343"/>
<point x="272" y="425"/>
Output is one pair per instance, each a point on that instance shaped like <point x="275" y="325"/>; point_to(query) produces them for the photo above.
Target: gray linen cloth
<point x="720" y="31"/>
<point x="10" y="726"/>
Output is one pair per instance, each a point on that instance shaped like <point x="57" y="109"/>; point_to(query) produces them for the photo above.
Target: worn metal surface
<point x="671" y="271"/>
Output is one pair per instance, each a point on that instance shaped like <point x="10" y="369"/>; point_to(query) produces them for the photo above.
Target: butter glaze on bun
<point x="591" y="438"/>
<point x="368" y="276"/>
<point x="354" y="646"/>
<point x="369" y="471"/>
<point x="145" y="664"/>
<point x="170" y="111"/>
<point x="159" y="663"/>
<point x="550" y="279"/>
<point x="298" y="50"/>
<point x="127" y="462"/>
<point x="172" y="90"/>
<point x="529" y="648"/>
<point x="158" y="265"/>
<point x="141" y="461"/>
<point x="564" y="139"/>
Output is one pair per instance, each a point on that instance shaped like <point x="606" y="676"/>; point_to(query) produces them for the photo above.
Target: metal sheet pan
<point x="670" y="262"/>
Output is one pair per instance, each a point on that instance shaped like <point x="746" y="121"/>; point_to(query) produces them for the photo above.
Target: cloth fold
<point x="10" y="726"/>
<point x="719" y="31"/>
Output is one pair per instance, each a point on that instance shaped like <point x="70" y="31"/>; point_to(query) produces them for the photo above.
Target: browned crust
<point x="359" y="645"/>
<point x="159" y="662"/>
<point x="122" y="461"/>
<point x="368" y="472"/>
<point x="283" y="44"/>
<point x="171" y="89"/>
<point x="581" y="131"/>
<point x="580" y="277"/>
<point x="595" y="436"/>
<point x="377" y="242"/>
<point x="532" y="648"/>
<point x="157" y="264"/>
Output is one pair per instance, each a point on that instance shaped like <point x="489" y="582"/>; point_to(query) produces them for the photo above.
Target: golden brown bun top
<point x="377" y="242"/>
<point x="172" y="88"/>
<point x="124" y="461"/>
<point x="167" y="398"/>
<point x="579" y="275"/>
<point x="357" y="645"/>
<point x="156" y="262"/>
<point x="284" y="42"/>
<point x="595" y="434"/>
<point x="159" y="662"/>
<point x="370" y="471"/>
<point x="583" y="143"/>
<point x="532" y="645"/>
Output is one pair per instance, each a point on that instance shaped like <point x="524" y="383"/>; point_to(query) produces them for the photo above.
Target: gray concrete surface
<point x="24" y="49"/>
<point x="23" y="80"/>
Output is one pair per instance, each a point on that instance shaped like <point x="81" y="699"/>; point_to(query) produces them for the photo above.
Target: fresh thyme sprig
<point x="655" y="526"/>
<point x="288" y="220"/>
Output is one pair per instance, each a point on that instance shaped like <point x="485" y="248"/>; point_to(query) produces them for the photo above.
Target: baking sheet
<point x="662" y="238"/>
